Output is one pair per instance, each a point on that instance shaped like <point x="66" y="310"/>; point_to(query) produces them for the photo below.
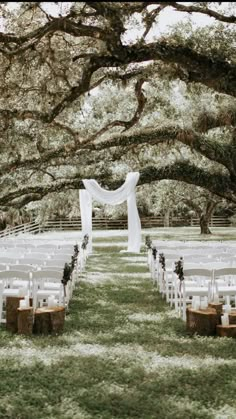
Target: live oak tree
<point x="180" y="198"/>
<point x="93" y="86"/>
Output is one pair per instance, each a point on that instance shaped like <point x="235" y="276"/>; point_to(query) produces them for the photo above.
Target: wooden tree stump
<point x="25" y="320"/>
<point x="219" y="309"/>
<point x="49" y="320"/>
<point x="232" y="318"/>
<point x="202" y="322"/>
<point x="226" y="331"/>
<point x="12" y="305"/>
<point x="217" y="306"/>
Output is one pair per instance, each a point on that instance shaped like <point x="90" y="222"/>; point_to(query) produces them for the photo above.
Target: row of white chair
<point x="39" y="277"/>
<point x="203" y="276"/>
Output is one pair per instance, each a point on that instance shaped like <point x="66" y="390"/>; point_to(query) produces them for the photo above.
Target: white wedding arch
<point x="125" y="193"/>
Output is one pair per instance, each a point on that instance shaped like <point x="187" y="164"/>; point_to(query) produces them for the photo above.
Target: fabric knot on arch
<point x="126" y="192"/>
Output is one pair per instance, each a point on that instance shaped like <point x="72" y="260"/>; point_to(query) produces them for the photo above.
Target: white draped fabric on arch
<point x="125" y="193"/>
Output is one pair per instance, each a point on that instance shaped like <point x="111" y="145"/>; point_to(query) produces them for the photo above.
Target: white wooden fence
<point x="105" y="223"/>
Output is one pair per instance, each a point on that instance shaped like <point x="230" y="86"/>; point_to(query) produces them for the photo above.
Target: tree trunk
<point x="204" y="224"/>
<point x="202" y="322"/>
<point x="206" y="216"/>
<point x="167" y="218"/>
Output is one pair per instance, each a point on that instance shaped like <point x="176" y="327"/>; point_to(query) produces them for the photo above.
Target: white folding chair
<point x="5" y="292"/>
<point x="225" y="283"/>
<point x="197" y="282"/>
<point x="15" y="279"/>
<point x="46" y="283"/>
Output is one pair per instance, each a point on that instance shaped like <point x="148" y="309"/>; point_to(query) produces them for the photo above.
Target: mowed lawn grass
<point x="124" y="354"/>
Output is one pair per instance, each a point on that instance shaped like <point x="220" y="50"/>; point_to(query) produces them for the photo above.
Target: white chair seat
<point x="9" y="292"/>
<point x="41" y="294"/>
<point x="225" y="290"/>
<point x="17" y="283"/>
<point x="52" y="285"/>
<point x="195" y="290"/>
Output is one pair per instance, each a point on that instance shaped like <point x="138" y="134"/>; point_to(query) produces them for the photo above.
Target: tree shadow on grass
<point x="114" y="388"/>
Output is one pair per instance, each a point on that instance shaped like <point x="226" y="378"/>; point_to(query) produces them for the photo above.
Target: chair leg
<point x="184" y="308"/>
<point x="34" y="294"/>
<point x="176" y="296"/>
<point x="1" y="301"/>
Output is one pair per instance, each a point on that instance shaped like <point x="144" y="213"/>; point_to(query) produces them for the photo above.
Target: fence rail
<point x="109" y="224"/>
<point x="146" y="222"/>
<point x="32" y="227"/>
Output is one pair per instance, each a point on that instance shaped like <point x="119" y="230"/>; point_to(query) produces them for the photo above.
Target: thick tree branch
<point x="205" y="11"/>
<point x="63" y="24"/>
<point x="220" y="153"/>
<point x="215" y="182"/>
<point x="25" y="195"/>
<point x="150" y="18"/>
<point x="212" y="72"/>
<point x="215" y="73"/>
<point x="206" y="121"/>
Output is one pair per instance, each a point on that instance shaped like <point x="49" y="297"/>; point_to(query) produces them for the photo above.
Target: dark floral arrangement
<point x="179" y="269"/>
<point x="148" y="242"/>
<point x="154" y="252"/>
<point x="75" y="256"/>
<point x="162" y="261"/>
<point x="76" y="250"/>
<point x="66" y="273"/>
<point x="85" y="241"/>
<point x="73" y="262"/>
<point x="69" y="267"/>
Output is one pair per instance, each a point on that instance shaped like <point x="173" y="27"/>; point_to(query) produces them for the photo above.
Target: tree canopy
<point x="96" y="89"/>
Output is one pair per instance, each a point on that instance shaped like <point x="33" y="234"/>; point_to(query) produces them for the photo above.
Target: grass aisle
<point x="124" y="354"/>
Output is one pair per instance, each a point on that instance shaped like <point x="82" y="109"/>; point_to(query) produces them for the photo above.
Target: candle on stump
<point x="23" y="304"/>
<point x="216" y="298"/>
<point x="203" y="305"/>
<point x="26" y="299"/>
<point x="227" y="308"/>
<point x="197" y="305"/>
<point x="196" y="302"/>
<point x="225" y="319"/>
<point x="51" y="301"/>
